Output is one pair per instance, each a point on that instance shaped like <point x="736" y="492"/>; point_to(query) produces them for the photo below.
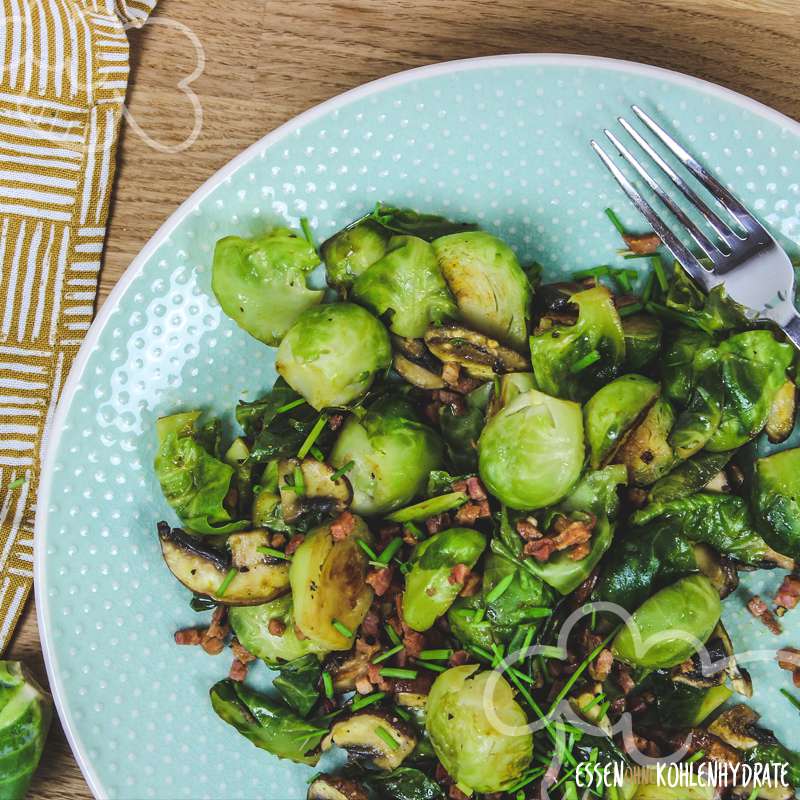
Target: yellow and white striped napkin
<point x="63" y="76"/>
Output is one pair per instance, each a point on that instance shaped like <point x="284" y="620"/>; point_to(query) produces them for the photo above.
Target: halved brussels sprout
<point x="480" y="356"/>
<point x="468" y="627"/>
<point x="323" y="491"/>
<point x="430" y="589"/>
<point x="665" y="630"/>
<point x="780" y="422"/>
<point x="328" y="580"/>
<point x="251" y="626"/>
<point x="478" y="730"/>
<point x="406" y="288"/>
<point x="642" y="334"/>
<point x="350" y="252"/>
<point x="366" y="737"/>
<point x="512" y="385"/>
<point x="612" y="411"/>
<point x="677" y="373"/>
<point x="204" y="570"/>
<point x="491" y="289"/>
<point x="392" y="453"/>
<point x="261" y="283"/>
<point x="572" y="361"/>
<point x="531" y="453"/>
<point x="776" y="500"/>
<point x="688" y="477"/>
<point x="753" y="370"/>
<point x="332" y="354"/>
<point x="646" y="452"/>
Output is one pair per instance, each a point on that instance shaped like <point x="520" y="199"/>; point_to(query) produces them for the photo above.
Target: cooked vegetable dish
<point x="481" y="527"/>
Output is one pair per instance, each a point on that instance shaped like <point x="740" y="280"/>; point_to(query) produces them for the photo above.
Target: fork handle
<point x="792" y="329"/>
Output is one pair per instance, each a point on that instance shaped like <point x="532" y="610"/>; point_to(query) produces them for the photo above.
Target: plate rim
<point x="52" y="434"/>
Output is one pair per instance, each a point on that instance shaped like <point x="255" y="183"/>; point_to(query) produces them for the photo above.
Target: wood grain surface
<point x="268" y="60"/>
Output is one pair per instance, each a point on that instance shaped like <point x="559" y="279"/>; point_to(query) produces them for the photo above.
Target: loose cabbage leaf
<point x="298" y="683"/>
<point x="405" y="783"/>
<point x="461" y="432"/>
<point x="689" y="476"/>
<point x="776" y="500"/>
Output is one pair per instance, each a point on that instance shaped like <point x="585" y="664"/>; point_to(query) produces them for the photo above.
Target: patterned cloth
<point x="63" y="75"/>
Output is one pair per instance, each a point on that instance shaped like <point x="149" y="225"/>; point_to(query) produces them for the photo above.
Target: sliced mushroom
<point x="780" y="421"/>
<point x="413" y="693"/>
<point x="347" y="666"/>
<point x="415" y="374"/>
<point x="412" y="348"/>
<point x="480" y="356"/>
<point x="411" y="699"/>
<point x="320" y="491"/>
<point x="719" y="483"/>
<point x="736" y="727"/>
<point x="740" y="678"/>
<point x="691" y="672"/>
<point x="328" y="787"/>
<point x="203" y="569"/>
<point x="720" y="571"/>
<point x="554" y="300"/>
<point x="366" y="736"/>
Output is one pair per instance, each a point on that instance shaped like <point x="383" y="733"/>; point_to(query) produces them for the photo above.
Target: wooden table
<point x="268" y="60"/>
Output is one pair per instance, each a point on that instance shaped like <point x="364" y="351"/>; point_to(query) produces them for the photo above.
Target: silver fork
<point x="752" y="267"/>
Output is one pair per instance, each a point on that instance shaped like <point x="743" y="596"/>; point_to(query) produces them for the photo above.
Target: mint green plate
<point x="503" y="141"/>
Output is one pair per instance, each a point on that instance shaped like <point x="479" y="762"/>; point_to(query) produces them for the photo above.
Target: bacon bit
<point x="527" y="529"/>
<point x="294" y="543"/>
<point x="758" y="608"/>
<point x="582" y="593"/>
<point x="214" y="637"/>
<point x="458" y="658"/>
<point x="454" y="793"/>
<point x="576" y="532"/>
<point x="475" y="488"/>
<point x="380" y="580"/>
<point x="789" y="658"/>
<point x="579" y="551"/>
<point x="788" y="595"/>
<point x="437" y="523"/>
<point x="600" y="668"/>
<point x="335" y="421"/>
<point x="413" y="642"/>
<point x="343" y="526"/>
<point x="241" y="652"/>
<point x="472" y="511"/>
<point x="642" y="243"/>
<point x="277" y="540"/>
<point x="472" y="585"/>
<point x="796" y="678"/>
<point x="375" y="678"/>
<point x="624" y="680"/>
<point x="276" y="627"/>
<point x="458" y="574"/>
<point x="238" y="670"/>
<point x="189" y="636"/>
<point x="540" y="549"/>
<point x="371" y="624"/>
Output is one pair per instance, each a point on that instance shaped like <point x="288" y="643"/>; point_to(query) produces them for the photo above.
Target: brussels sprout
<point x="490" y="288"/>
<point x="688" y="477"/>
<point x="531" y="453"/>
<point x="780" y="421"/>
<point x="482" y="752"/>
<point x="413" y="223"/>
<point x="26" y="713"/>
<point x="776" y="500"/>
<point x="392" y="454"/>
<point x="753" y="370"/>
<point x="251" y="626"/>
<point x="720" y="520"/>
<point x="477" y="354"/>
<point x="261" y="283"/>
<point x="466" y="627"/>
<point x="642" y="334"/>
<point x="646" y="452"/>
<point x="405" y="783"/>
<point x="665" y="630"/>
<point x="352" y="251"/>
<point x="407" y="287"/>
<point x="270" y="725"/>
<point x="324" y="494"/>
<point x="512" y="385"/>
<point x="462" y="431"/>
<point x="677" y="362"/>
<point x="328" y="580"/>
<point x="194" y="482"/>
<point x="332" y="354"/>
<point x="429" y="590"/>
<point x="612" y="411"/>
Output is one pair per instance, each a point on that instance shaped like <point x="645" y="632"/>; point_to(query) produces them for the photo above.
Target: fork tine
<point x="674" y="245"/>
<point x="722" y="229"/>
<point x="733" y="205"/>
<point x="710" y="249"/>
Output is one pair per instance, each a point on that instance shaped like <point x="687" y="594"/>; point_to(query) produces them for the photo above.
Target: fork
<point x="751" y="266"/>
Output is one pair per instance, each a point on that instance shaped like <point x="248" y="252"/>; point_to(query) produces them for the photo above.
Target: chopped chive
<point x="586" y="361"/>
<point x="791" y="698"/>
<point x="621" y="278"/>
<point x="547" y="651"/>
<point x="593" y="702"/>
<point x="343" y="470"/>
<point x="312" y="436"/>
<point x="672" y="314"/>
<point x="435" y="655"/>
<point x="299" y="481"/>
<point x="631" y="308"/>
<point x="307" y="232"/>
<point x="430" y="665"/>
<point x="616" y="222"/>
<point x="478" y="616"/>
<point x="526" y="642"/>
<point x="392" y="634"/>
<point x="592" y="272"/>
<point x="402" y="713"/>
<point x="16" y="483"/>
<point x="501" y="587"/>
<point x="367" y="549"/>
<point x="343" y="629"/>
<point x="388" y="654"/>
<point x="414" y="530"/>
<point x="327" y="684"/>
<point x="648" y="288"/>
<point x="496" y="385"/>
<point x="290" y="406"/>
<point x="317" y="453"/>
<point x="387" y="737"/>
<point x="658" y="268"/>
<point x="696" y="757"/>
<point x="388" y="552"/>
<point x="396" y="672"/>
<point x="367" y="700"/>
<point x="271" y="551"/>
<point x="628" y="255"/>
<point x="226" y="582"/>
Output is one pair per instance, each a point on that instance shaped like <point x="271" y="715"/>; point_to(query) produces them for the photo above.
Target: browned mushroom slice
<point x="415" y="374"/>
<point x="740" y="678"/>
<point x="320" y="491"/>
<point x="480" y="356"/>
<point x="375" y="737"/>
<point x="203" y="569"/>
<point x="691" y="672"/>
<point x="346" y="667"/>
<point x="780" y="421"/>
<point x="411" y="348"/>
<point x="720" y="571"/>
<point x="329" y="787"/>
<point x="737" y="727"/>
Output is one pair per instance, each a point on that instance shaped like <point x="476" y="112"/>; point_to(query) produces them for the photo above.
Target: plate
<point x="503" y="141"/>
